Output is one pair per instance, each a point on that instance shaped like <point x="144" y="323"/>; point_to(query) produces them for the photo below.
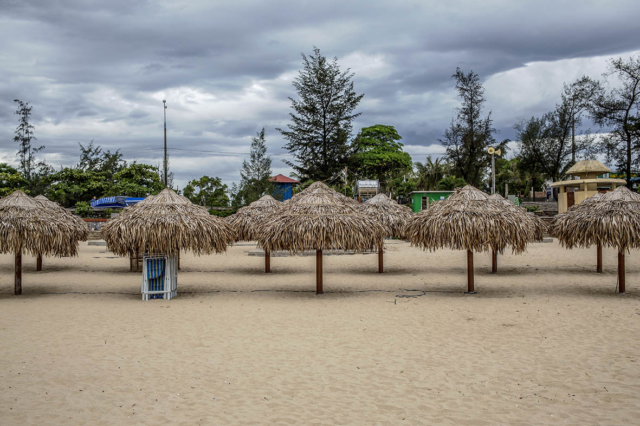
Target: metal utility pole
<point x="164" y="101"/>
<point x="493" y="174"/>
<point x="573" y="140"/>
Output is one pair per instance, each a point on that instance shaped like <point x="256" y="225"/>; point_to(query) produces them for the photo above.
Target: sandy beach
<point x="545" y="341"/>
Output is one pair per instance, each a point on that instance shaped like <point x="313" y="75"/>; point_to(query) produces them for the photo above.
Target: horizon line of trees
<point x="320" y="140"/>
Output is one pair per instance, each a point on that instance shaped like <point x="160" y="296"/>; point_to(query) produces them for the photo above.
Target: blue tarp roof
<point x="118" y="201"/>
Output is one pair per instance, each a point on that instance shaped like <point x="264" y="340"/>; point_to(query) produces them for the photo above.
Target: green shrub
<point x="222" y="213"/>
<point x="83" y="209"/>
<point x="533" y="209"/>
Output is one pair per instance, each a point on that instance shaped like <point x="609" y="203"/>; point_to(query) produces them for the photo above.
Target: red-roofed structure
<point x="284" y="187"/>
<point x="283" y="179"/>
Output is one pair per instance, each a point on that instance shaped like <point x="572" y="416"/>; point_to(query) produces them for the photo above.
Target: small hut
<point x="319" y="221"/>
<point x="537" y="227"/>
<point x="167" y="224"/>
<point x="613" y="220"/>
<point x="247" y="220"/>
<point x="391" y="215"/>
<point x="63" y="214"/>
<point x="468" y="220"/>
<point x="27" y="226"/>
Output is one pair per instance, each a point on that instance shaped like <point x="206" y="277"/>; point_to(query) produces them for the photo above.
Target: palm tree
<point x="430" y="173"/>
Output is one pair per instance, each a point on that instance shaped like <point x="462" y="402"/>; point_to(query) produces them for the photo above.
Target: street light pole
<point x="164" y="101"/>
<point x="493" y="174"/>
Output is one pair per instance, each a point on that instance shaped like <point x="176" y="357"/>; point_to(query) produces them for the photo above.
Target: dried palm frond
<point x="389" y="213"/>
<point x="468" y="220"/>
<point x="25" y="224"/>
<point x="247" y="220"/>
<point x="612" y="220"/>
<point x="81" y="227"/>
<point x="321" y="187"/>
<point x="319" y="221"/>
<point x="538" y="227"/>
<point x="167" y="224"/>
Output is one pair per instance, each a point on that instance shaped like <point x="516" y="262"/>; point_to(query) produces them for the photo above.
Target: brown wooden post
<point x="267" y="261"/>
<point x="319" y="289"/>
<point x="599" y="259"/>
<point x="131" y="262"/>
<point x="39" y="263"/>
<point x="621" y="274"/>
<point x="380" y="260"/>
<point x="179" y="260"/>
<point x="470" y="283"/>
<point x="18" y="280"/>
<point x="494" y="261"/>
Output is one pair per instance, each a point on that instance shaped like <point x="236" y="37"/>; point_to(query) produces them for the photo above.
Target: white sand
<point x="545" y="341"/>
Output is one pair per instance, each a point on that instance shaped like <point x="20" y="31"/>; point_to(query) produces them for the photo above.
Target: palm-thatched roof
<point x="247" y="220"/>
<point x="588" y="166"/>
<point x="81" y="227"/>
<point x="167" y="224"/>
<point x="613" y="220"/>
<point x="319" y="221"/>
<point x="537" y="226"/>
<point x="389" y="213"/>
<point x="321" y="187"/>
<point x="468" y="220"/>
<point x="25" y="224"/>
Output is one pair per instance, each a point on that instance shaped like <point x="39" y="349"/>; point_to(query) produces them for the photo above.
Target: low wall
<point x="95" y="224"/>
<point x="548" y="207"/>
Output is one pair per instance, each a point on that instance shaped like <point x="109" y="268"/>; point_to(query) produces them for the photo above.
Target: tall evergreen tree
<point x="469" y="135"/>
<point x="23" y="136"/>
<point x="322" y="120"/>
<point x="255" y="173"/>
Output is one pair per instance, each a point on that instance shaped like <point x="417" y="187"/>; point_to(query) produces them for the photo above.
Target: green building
<point x="421" y="200"/>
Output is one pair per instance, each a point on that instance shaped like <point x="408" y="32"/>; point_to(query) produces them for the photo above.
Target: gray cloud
<point x="99" y="70"/>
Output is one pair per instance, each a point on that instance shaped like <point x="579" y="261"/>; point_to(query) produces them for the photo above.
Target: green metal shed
<point x="421" y="200"/>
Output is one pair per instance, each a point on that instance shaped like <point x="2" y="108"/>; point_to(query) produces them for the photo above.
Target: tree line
<point x="323" y="147"/>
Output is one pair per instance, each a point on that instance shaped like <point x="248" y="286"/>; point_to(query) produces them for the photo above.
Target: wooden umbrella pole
<point x="18" y="280"/>
<point x="380" y="260"/>
<point x="319" y="289"/>
<point x="621" y="273"/>
<point x="494" y="261"/>
<point x="470" y="283"/>
<point x="179" y="260"/>
<point x="39" y="263"/>
<point x="267" y="261"/>
<point x="599" y="259"/>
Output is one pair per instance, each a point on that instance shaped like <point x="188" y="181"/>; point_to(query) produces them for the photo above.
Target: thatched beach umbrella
<point x="319" y="221"/>
<point x="82" y="230"/>
<point x="468" y="220"/>
<point x="391" y="215"/>
<point x="27" y="226"/>
<point x="613" y="220"/>
<point x="321" y="187"/>
<point x="247" y="220"/>
<point x="167" y="224"/>
<point x="537" y="227"/>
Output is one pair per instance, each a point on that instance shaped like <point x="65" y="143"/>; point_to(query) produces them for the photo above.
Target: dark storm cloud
<point x="99" y="69"/>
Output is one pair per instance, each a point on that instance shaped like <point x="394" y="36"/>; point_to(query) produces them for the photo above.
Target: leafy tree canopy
<point x="207" y="191"/>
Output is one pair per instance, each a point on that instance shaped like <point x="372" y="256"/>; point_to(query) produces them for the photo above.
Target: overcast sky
<point x="100" y="69"/>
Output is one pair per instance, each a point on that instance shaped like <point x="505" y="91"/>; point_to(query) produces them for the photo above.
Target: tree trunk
<point x="18" y="279"/>
<point x="39" y="263"/>
<point x="319" y="289"/>
<point x="470" y="277"/>
<point x="267" y="261"/>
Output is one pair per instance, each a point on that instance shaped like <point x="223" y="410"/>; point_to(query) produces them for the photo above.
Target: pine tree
<point x="469" y="135"/>
<point x="255" y="173"/>
<point x="24" y="136"/>
<point x="322" y="120"/>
